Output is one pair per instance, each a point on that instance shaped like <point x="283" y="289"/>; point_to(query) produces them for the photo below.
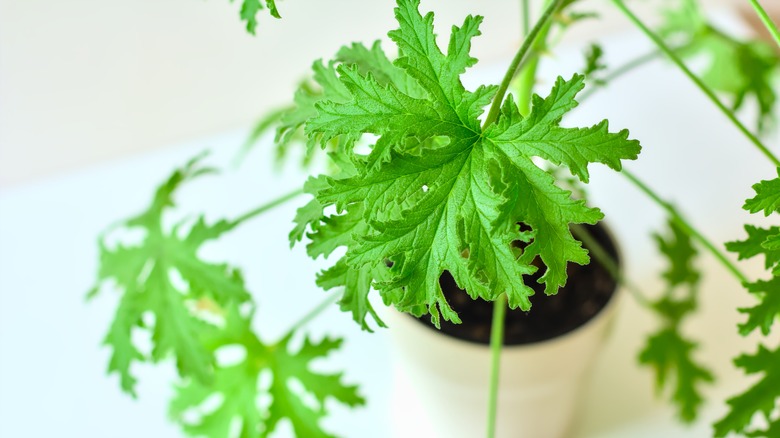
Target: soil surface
<point x="588" y="289"/>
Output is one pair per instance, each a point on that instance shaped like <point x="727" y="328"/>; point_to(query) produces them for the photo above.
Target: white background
<point x="86" y="80"/>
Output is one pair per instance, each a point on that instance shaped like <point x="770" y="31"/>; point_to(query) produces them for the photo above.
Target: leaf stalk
<point x="496" y="344"/>
<point x="267" y="206"/>
<point x="686" y="226"/>
<point x="696" y="80"/>
<point x="517" y="62"/>
<point x="313" y="313"/>
<point x="767" y="20"/>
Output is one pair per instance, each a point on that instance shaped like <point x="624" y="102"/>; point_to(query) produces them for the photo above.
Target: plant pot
<point x="441" y="380"/>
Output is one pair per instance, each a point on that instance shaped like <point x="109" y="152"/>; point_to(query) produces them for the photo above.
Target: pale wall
<point x="88" y="80"/>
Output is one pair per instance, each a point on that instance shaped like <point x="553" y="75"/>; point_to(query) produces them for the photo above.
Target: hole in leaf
<point x="229" y="355"/>
<point x="307" y="398"/>
<point x="178" y="282"/>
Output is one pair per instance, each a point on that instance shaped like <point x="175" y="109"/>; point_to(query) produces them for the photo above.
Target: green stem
<point x="315" y="312"/>
<point x="699" y="83"/>
<point x="609" y="263"/>
<point x="770" y="25"/>
<point x="527" y="71"/>
<point x="620" y="71"/>
<point x="261" y="127"/>
<point x="680" y="220"/>
<point x="518" y="59"/>
<point x="265" y="207"/>
<point x="496" y="343"/>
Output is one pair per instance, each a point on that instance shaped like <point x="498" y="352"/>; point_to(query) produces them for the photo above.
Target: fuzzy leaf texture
<point x="668" y="351"/>
<point x="294" y="392"/>
<point x="145" y="273"/>
<point x="437" y="191"/>
<point x="761" y="397"/>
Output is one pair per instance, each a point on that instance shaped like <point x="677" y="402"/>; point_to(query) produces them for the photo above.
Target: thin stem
<point x="265" y="207"/>
<point x="496" y="343"/>
<point x="527" y="71"/>
<point x="770" y="25"/>
<point x="620" y="71"/>
<point x="699" y="83"/>
<point x="261" y="127"/>
<point x="609" y="263"/>
<point x="518" y="59"/>
<point x="315" y="312"/>
<point x="680" y="220"/>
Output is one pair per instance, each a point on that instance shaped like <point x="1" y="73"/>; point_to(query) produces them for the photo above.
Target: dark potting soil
<point x="588" y="289"/>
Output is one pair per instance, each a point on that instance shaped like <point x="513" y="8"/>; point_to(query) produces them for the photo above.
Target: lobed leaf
<point x="767" y="197"/>
<point x="250" y="9"/>
<point x="762" y="397"/>
<point x="144" y="274"/>
<point x="437" y="191"/>
<point x="242" y="390"/>
<point x="667" y="352"/>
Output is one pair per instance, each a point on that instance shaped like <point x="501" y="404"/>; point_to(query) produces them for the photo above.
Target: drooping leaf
<point x="767" y="311"/>
<point x="762" y="397"/>
<point x="164" y="277"/>
<point x="296" y="392"/>
<point x="743" y="69"/>
<point x="754" y="245"/>
<point x="438" y="192"/>
<point x="678" y="249"/>
<point x="670" y="356"/>
<point x="668" y="351"/>
<point x="594" y="64"/>
<point x="250" y="9"/>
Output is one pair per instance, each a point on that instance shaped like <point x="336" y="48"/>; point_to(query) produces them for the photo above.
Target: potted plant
<point x="436" y="193"/>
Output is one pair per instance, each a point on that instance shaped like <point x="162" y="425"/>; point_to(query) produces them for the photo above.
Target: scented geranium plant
<point x="427" y="176"/>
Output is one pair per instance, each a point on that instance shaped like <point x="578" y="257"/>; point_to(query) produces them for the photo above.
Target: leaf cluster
<point x="668" y="351"/>
<point x="437" y="190"/>
<point x="764" y="395"/>
<point x="189" y="307"/>
<point x="742" y="69"/>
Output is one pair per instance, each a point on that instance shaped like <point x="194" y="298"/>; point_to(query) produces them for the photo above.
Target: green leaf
<point x="668" y="353"/>
<point x="296" y="392"/>
<point x="305" y="217"/>
<point x="767" y="197"/>
<point x="437" y="192"/>
<point x="761" y="397"/>
<point x="756" y="244"/>
<point x="357" y="285"/>
<point x="145" y="273"/>
<point x="374" y="61"/>
<point x="594" y="63"/>
<point x="743" y="69"/>
<point x="250" y="9"/>
<point x="678" y="249"/>
<point x="764" y="314"/>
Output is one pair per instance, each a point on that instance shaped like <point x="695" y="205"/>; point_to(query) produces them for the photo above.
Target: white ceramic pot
<point x="441" y="382"/>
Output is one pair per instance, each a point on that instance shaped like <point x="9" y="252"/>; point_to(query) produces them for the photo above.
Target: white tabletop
<point x="52" y="367"/>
